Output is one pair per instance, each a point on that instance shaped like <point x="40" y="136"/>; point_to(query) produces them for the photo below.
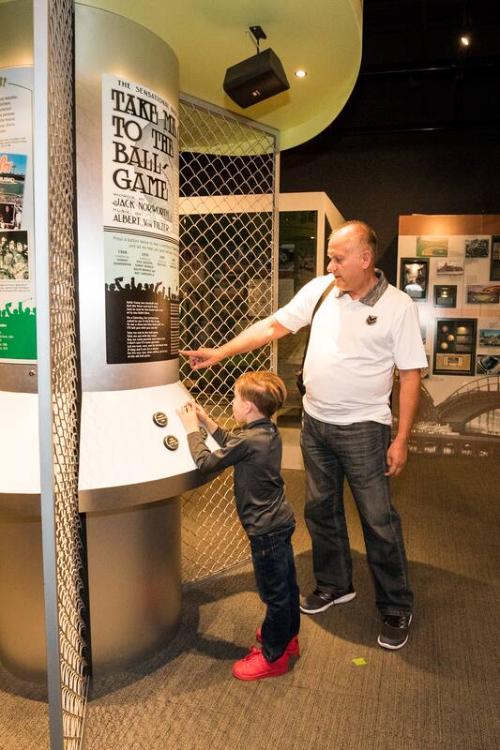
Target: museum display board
<point x="450" y="267"/>
<point x="17" y="292"/>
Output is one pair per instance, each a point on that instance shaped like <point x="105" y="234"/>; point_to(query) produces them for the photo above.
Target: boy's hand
<point x="188" y="417"/>
<point x="205" y="419"/>
<point x="201" y="413"/>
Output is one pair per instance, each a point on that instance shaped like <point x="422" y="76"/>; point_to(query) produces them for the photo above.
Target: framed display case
<point x="414" y="277"/>
<point x="455" y="346"/>
<point x="495" y="258"/>
<point x="445" y="295"/>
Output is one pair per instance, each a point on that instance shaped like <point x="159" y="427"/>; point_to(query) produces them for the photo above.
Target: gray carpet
<point x="24" y="714"/>
<point x="438" y="693"/>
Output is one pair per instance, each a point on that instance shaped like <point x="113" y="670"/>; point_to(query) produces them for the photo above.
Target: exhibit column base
<point x="134" y="569"/>
<point x="134" y="561"/>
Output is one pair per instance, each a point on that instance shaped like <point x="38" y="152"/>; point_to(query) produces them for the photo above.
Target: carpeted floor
<point x="438" y="693"/>
<point x="24" y="714"/>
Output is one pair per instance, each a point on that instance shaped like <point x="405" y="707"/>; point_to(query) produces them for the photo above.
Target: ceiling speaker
<point x="255" y="79"/>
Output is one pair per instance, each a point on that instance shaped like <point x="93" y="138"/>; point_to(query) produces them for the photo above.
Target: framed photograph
<point x="432" y="247"/>
<point x="14" y="256"/>
<point x="413" y="277"/>
<point x="445" y="295"/>
<point x="488" y="364"/>
<point x="477" y="248"/>
<point x="455" y="347"/>
<point x="495" y="258"/>
<point x="450" y="267"/>
<point x="489" y="337"/>
<point x="13" y="176"/>
<point x="483" y="294"/>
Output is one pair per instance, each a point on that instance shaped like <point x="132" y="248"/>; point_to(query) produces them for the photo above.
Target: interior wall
<point x="381" y="177"/>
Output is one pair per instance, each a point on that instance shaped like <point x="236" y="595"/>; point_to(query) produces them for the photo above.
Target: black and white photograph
<point x="450" y="267"/>
<point x="14" y="261"/>
<point x="445" y="295"/>
<point x="414" y="274"/>
<point x="477" y="248"/>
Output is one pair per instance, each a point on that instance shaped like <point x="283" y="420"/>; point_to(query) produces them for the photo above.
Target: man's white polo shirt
<point x="353" y="348"/>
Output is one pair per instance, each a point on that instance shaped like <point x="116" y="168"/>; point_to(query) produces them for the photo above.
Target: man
<point x="363" y="329"/>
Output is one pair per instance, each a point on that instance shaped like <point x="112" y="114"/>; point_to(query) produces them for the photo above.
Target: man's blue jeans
<point x="357" y="452"/>
<point x="274" y="569"/>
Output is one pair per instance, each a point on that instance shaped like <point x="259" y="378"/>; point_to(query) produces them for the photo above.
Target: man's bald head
<point x="359" y="231"/>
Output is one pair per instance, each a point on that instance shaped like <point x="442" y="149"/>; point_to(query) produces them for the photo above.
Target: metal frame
<point x="58" y="371"/>
<point x="217" y="277"/>
<point x="188" y="99"/>
<point x="41" y="188"/>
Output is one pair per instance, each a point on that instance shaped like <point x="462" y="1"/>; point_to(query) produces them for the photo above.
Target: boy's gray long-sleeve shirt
<point x="255" y="452"/>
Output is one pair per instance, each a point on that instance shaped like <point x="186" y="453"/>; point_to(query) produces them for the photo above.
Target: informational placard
<point x="17" y="267"/>
<point x="141" y="242"/>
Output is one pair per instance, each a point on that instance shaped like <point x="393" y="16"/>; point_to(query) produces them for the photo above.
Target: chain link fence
<point x="227" y="282"/>
<point x="65" y="374"/>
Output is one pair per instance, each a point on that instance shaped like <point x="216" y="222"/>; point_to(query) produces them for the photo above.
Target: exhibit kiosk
<point x="93" y="456"/>
<point x="134" y="458"/>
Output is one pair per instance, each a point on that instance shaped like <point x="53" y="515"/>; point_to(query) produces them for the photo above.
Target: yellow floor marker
<point x="359" y="661"/>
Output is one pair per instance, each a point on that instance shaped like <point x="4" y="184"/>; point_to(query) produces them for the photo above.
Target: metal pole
<point x="41" y="191"/>
<point x="275" y="247"/>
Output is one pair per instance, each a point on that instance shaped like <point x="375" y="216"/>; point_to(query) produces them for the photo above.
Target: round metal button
<point x="171" y="442"/>
<point x="160" y="419"/>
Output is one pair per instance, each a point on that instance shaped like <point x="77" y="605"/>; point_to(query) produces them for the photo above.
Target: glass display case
<point x="306" y="222"/>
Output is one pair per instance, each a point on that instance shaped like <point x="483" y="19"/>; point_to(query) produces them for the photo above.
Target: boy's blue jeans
<point x="357" y="452"/>
<point x="274" y="568"/>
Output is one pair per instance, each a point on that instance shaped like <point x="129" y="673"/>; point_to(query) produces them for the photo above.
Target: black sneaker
<point x="395" y="629"/>
<point x="319" y="601"/>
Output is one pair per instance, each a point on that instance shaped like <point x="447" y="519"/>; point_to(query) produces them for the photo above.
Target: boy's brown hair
<point x="263" y="389"/>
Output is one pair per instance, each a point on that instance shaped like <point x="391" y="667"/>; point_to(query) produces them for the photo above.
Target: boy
<point x="255" y="452"/>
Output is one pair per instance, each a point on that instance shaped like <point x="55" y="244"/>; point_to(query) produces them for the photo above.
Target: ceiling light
<point x="300" y="73"/>
<point x="465" y="40"/>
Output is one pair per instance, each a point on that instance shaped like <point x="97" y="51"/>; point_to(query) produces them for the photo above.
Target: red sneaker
<point x="255" y="666"/>
<point x="293" y="648"/>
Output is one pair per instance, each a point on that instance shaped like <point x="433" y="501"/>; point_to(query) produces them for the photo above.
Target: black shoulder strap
<point x="316" y="308"/>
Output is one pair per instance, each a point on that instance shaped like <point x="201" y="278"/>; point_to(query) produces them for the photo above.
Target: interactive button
<point x="160" y="419"/>
<point x="171" y="442"/>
